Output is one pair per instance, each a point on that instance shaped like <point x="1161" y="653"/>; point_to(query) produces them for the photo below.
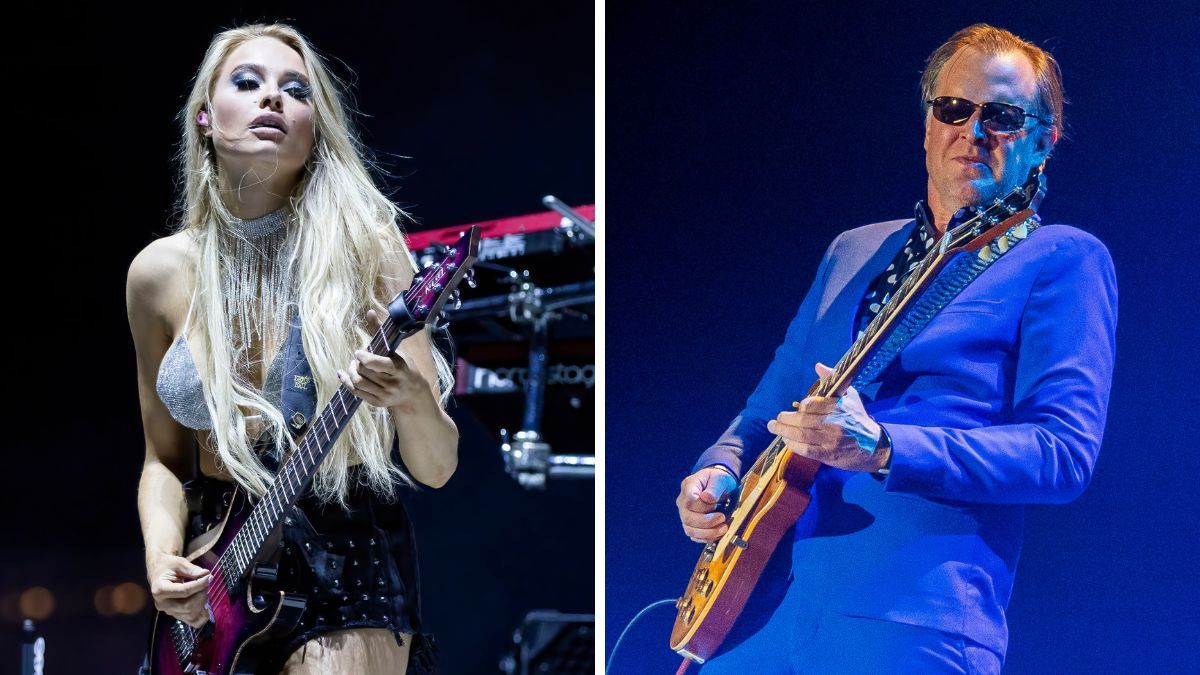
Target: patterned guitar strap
<point x="964" y="268"/>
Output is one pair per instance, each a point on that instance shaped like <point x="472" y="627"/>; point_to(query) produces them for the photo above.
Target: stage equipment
<point x="33" y="650"/>
<point x="525" y="341"/>
<point x="552" y="643"/>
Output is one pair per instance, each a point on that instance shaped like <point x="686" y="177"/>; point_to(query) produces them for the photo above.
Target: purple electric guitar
<point x="245" y="610"/>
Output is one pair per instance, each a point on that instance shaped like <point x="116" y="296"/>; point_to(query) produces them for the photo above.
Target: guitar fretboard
<point x="298" y="469"/>
<point x="293" y="478"/>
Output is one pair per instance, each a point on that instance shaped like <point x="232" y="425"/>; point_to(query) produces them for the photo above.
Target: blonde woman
<point x="284" y="258"/>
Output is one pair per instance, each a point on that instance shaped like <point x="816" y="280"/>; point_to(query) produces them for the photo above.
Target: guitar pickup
<point x="266" y="573"/>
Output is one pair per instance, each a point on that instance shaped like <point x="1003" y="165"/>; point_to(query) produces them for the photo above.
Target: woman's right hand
<point x="180" y="589"/>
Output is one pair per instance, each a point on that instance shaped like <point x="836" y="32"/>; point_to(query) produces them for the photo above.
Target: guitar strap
<point x="298" y="395"/>
<point x="954" y="277"/>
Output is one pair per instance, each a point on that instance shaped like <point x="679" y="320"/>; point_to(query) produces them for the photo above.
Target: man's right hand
<point x="699" y="495"/>
<point x="180" y="589"/>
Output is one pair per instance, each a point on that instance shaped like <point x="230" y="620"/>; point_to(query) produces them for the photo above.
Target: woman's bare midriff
<point x="208" y="458"/>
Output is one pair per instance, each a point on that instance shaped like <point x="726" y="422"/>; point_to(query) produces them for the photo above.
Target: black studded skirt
<point x="356" y="568"/>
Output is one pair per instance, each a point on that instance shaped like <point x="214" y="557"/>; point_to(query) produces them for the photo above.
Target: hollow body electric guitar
<point x="244" y="609"/>
<point x="774" y="492"/>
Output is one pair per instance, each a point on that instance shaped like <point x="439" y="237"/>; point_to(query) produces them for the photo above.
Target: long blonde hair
<point x="348" y="238"/>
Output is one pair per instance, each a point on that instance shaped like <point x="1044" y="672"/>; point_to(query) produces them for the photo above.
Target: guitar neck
<point x="298" y="469"/>
<point x="970" y="236"/>
<point x="294" y="476"/>
<point x="855" y="358"/>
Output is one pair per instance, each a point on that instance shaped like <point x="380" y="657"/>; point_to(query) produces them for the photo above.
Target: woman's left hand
<point x="382" y="380"/>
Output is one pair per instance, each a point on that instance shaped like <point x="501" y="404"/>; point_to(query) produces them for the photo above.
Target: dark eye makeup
<point x="248" y="81"/>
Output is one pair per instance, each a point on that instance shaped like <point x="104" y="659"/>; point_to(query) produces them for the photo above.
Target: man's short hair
<point x="991" y="40"/>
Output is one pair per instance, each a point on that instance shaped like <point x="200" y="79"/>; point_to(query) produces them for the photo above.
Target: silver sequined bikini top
<point x="182" y="392"/>
<point x="178" y="383"/>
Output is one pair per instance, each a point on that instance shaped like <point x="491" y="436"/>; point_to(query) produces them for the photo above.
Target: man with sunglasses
<point x="904" y="560"/>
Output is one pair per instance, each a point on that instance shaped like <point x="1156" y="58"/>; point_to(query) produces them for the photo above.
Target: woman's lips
<point x="268" y="132"/>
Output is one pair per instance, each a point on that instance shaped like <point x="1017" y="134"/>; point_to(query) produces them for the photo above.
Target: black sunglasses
<point x="998" y="117"/>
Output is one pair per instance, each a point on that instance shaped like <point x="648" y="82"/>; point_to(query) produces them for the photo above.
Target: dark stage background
<point x="476" y="110"/>
<point x="742" y="139"/>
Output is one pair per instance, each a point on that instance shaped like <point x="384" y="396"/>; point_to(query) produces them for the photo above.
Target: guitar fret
<point x="290" y="473"/>
<point x="270" y="510"/>
<point x="324" y="429"/>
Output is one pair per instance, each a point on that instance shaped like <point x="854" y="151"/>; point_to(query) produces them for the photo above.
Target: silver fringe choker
<point x="257" y="279"/>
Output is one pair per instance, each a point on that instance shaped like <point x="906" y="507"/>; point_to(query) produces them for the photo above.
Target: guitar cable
<point x="629" y="625"/>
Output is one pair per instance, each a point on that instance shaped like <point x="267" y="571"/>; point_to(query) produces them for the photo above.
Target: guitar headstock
<point x="998" y="216"/>
<point x="431" y="288"/>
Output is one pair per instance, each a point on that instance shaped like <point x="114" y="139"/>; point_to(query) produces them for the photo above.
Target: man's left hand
<point x="834" y="430"/>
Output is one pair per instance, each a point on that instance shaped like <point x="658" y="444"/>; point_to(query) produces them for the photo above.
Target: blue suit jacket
<point x="998" y="403"/>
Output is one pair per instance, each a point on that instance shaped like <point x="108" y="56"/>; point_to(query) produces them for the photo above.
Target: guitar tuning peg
<point x="471" y="277"/>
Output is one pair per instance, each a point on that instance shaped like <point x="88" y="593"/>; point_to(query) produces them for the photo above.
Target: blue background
<point x="742" y="139"/>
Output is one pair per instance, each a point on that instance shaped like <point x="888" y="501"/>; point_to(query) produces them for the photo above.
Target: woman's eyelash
<point x="299" y="91"/>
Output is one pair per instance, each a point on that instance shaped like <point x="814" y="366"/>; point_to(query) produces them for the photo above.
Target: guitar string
<point x="224" y="600"/>
<point x="378" y="339"/>
<point x="241" y="546"/>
